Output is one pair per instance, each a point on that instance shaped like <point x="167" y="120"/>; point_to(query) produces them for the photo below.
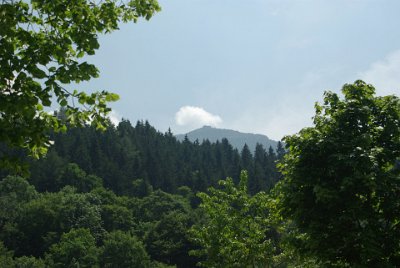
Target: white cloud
<point x="384" y="75"/>
<point x="114" y="117"/>
<point x="196" y="117"/>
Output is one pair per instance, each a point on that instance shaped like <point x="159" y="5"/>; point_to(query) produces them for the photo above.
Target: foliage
<point x="42" y="221"/>
<point x="138" y="165"/>
<point x="7" y="260"/>
<point x="168" y="242"/>
<point x="6" y="256"/>
<point x="341" y="186"/>
<point x="136" y="160"/>
<point x="117" y="217"/>
<point x="72" y="175"/>
<point x="41" y="224"/>
<point x="42" y="44"/>
<point x="14" y="192"/>
<point x="77" y="248"/>
<point x="237" y="231"/>
<point x="158" y="204"/>
<point x="123" y="250"/>
<point x="29" y="262"/>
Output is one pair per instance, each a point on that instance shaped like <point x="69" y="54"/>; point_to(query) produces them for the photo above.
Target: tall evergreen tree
<point x="258" y="182"/>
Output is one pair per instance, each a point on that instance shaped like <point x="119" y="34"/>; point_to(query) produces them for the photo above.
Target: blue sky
<point x="250" y="65"/>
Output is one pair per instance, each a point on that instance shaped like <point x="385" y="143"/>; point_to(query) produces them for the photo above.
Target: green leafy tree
<point x="117" y="217"/>
<point x="123" y="250"/>
<point x="6" y="257"/>
<point x="236" y="231"/>
<point x="14" y="192"/>
<point x="168" y="240"/>
<point x="45" y="171"/>
<point x="29" y="262"/>
<point x="77" y="248"/>
<point x="44" y="219"/>
<point x="158" y="204"/>
<point x="72" y="175"/>
<point x="42" y="45"/>
<point x="341" y="187"/>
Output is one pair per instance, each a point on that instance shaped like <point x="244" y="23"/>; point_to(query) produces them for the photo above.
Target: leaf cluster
<point x="42" y="47"/>
<point x="236" y="231"/>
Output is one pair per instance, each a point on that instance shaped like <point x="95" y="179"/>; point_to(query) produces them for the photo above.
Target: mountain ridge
<point x="236" y="138"/>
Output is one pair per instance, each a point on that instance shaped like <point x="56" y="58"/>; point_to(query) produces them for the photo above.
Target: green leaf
<point x="63" y="102"/>
<point x="112" y="97"/>
<point x="38" y="73"/>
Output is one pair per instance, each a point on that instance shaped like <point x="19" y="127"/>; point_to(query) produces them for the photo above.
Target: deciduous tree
<point x="42" y="45"/>
<point x="341" y="187"/>
<point x="236" y="231"/>
<point x="123" y="250"/>
<point x="77" y="248"/>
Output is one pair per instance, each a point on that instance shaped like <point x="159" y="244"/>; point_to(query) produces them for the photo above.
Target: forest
<point x="131" y="186"/>
<point x="78" y="191"/>
<point x="131" y="196"/>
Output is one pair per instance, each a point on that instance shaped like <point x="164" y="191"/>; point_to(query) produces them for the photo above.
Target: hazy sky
<point x="250" y="65"/>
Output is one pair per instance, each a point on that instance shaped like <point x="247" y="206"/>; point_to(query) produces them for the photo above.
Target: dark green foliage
<point x="6" y="257"/>
<point x="77" y="248"/>
<point x="137" y="165"/>
<point x="117" y="217"/>
<point x="7" y="260"/>
<point x="258" y="182"/>
<point x="29" y="262"/>
<point x="123" y="250"/>
<point x="159" y="204"/>
<point x="341" y="188"/>
<point x="73" y="176"/>
<point x="56" y="226"/>
<point x="141" y="188"/>
<point x="168" y="242"/>
<point x="134" y="160"/>
<point x="46" y="171"/>
<point x="14" y="193"/>
<point x="44" y="219"/>
<point x="163" y="223"/>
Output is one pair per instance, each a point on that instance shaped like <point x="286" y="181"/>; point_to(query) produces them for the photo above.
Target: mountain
<point x="236" y="138"/>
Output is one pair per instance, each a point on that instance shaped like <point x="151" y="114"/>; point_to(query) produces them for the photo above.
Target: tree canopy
<point x="236" y="230"/>
<point x="341" y="186"/>
<point x="42" y="45"/>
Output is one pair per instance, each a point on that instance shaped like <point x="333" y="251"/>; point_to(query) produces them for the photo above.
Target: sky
<point x="254" y="66"/>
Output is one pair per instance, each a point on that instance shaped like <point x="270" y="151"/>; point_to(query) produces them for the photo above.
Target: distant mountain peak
<point x="236" y="138"/>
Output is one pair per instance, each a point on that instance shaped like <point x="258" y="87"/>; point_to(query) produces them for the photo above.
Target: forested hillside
<point x="125" y="197"/>
<point x="135" y="197"/>
<point x="130" y="159"/>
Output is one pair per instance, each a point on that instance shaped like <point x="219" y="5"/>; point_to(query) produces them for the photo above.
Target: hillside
<point x="236" y="138"/>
